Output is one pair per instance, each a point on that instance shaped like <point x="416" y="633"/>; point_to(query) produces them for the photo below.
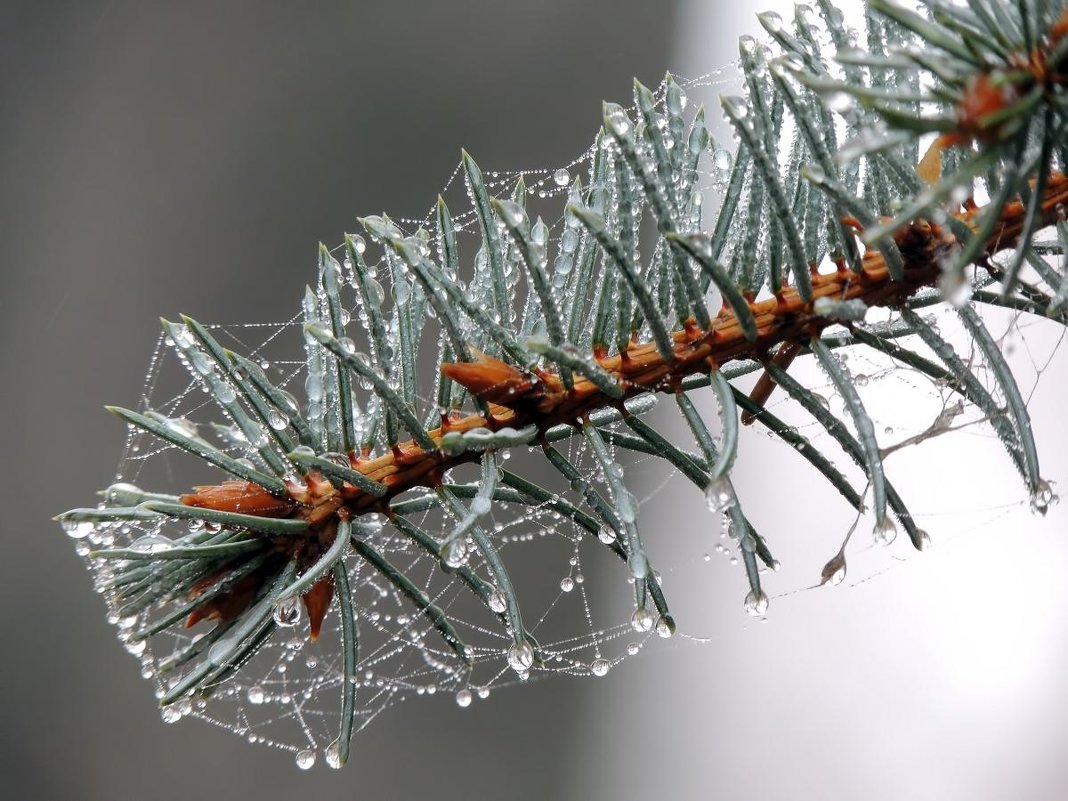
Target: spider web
<point x="287" y="695"/>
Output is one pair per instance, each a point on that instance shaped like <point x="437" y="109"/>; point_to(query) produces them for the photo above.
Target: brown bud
<point x="238" y="496"/>
<point x="490" y="379"/>
<point x="317" y="603"/>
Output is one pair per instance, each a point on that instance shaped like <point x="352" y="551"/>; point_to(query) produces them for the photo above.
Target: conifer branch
<point x="865" y="226"/>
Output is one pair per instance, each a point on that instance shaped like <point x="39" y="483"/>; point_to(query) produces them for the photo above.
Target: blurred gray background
<point x="158" y="158"/>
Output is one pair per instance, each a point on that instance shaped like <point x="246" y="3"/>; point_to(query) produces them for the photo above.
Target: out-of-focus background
<point x="158" y="158"/>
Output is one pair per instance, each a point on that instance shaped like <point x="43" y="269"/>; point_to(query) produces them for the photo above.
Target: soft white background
<point x="941" y="677"/>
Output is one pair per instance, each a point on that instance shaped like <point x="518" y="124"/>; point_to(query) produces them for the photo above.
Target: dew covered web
<point x="577" y="596"/>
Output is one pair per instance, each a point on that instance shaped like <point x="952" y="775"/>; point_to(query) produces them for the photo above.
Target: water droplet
<point x="834" y="572"/>
<point x="567" y="584"/>
<point x="665" y="626"/>
<point x="480" y="505"/>
<point x="359" y="244"/>
<point x="771" y="21"/>
<point x="78" y="529"/>
<point x="925" y="540"/>
<point x="256" y="695"/>
<point x="642" y="619"/>
<point x="884" y="532"/>
<point x="841" y="102"/>
<point x="182" y="335"/>
<point x="258" y="438"/>
<point x="497" y="602"/>
<point x="347" y="345"/>
<point x="287" y="612"/>
<point x="455" y="554"/>
<point x="305" y="759"/>
<point x="224" y="393"/>
<point x="539" y="235"/>
<point x="520" y="656"/>
<point x="170" y="714"/>
<point x="755" y="603"/>
<point x="606" y="534"/>
<point x="627" y="506"/>
<point x="277" y="420"/>
<point x="464" y="698"/>
<point x="1043" y="497"/>
<point x="616" y="120"/>
<point x="561" y="177"/>
<point x="332" y="753"/>
<point x="513" y="214"/>
<point x="721" y="162"/>
<point x="599" y="667"/>
<point x="719" y="496"/>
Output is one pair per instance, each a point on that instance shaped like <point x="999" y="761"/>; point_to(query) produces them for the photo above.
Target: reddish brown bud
<point x="239" y="496"/>
<point x="489" y="379"/>
<point x="317" y="602"/>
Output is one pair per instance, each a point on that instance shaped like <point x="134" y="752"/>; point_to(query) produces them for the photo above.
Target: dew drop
<point x="771" y="20"/>
<point x="170" y="714"/>
<point x="497" y="602"/>
<point x="277" y="420"/>
<point x="332" y="753"/>
<point x="627" y="506"/>
<point x="884" y="532"/>
<point x="642" y="619"/>
<point x="755" y="603"/>
<point x="567" y="584"/>
<point x="599" y="667"/>
<point x="455" y="554"/>
<point x="841" y="102"/>
<point x="287" y="612"/>
<point x="834" y="572"/>
<point x="256" y="695"/>
<point x="520" y="656"/>
<point x="719" y="496"/>
<point x="78" y="529"/>
<point x="305" y="759"/>
<point x="464" y="698"/>
<point x="561" y="177"/>
<point x="665" y="626"/>
<point x="606" y="534"/>
<point x="617" y="121"/>
<point x="183" y="336"/>
<point x="1043" y="497"/>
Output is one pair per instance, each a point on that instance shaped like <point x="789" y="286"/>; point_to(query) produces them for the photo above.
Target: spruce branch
<point x="601" y="330"/>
